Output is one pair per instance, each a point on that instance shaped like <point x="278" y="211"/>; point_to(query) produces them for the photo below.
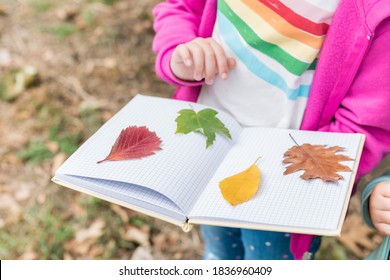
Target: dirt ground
<point x="65" y="68"/>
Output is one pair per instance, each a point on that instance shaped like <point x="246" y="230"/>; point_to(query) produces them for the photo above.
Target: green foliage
<point x="7" y="92"/>
<point x="204" y="122"/>
<point x="107" y="2"/>
<point x="41" y="5"/>
<point x="40" y="230"/>
<point x="55" y="129"/>
<point x="140" y="221"/>
<point x="90" y="116"/>
<point x="44" y="112"/>
<point x="70" y="143"/>
<point x="145" y="15"/>
<point x="331" y="249"/>
<point x="97" y="208"/>
<point x="89" y="17"/>
<point x="53" y="234"/>
<point x="14" y="82"/>
<point x="63" y="31"/>
<point x="92" y="203"/>
<point x="3" y="90"/>
<point x="36" y="152"/>
<point x="67" y="142"/>
<point x="11" y="245"/>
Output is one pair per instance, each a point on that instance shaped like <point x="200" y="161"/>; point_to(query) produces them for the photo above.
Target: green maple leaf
<point x="204" y="122"/>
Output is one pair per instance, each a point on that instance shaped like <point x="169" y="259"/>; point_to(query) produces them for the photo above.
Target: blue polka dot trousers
<point x="222" y="243"/>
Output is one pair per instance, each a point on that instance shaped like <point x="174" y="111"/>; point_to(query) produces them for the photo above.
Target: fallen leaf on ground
<point x="121" y="212"/>
<point x="138" y="236"/>
<point x="160" y="242"/>
<point x="133" y="143"/>
<point x="57" y="161"/>
<point x="142" y="253"/>
<point x="241" y="187"/>
<point x="94" y="231"/>
<point x="361" y="242"/>
<point x="25" y="77"/>
<point x="5" y="55"/>
<point x="317" y="161"/>
<point x="3" y="11"/>
<point x="67" y="13"/>
<point x="85" y="239"/>
<point x="204" y="122"/>
<point x="76" y="209"/>
<point x="10" y="208"/>
<point x="29" y="255"/>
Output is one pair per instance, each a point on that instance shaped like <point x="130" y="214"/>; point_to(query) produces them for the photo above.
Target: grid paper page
<point x="129" y="195"/>
<point x="179" y="171"/>
<point x="282" y="200"/>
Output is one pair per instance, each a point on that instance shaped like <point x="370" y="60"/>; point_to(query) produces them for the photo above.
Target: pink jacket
<point x="351" y="87"/>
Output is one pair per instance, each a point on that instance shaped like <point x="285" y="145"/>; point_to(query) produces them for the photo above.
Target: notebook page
<point x="179" y="170"/>
<point x="282" y="200"/>
<point x="129" y="195"/>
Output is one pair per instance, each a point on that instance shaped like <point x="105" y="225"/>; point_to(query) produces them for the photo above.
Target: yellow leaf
<point x="242" y="186"/>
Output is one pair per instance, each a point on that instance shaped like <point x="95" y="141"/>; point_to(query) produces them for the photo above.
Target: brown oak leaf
<point x="134" y="142"/>
<point x="318" y="161"/>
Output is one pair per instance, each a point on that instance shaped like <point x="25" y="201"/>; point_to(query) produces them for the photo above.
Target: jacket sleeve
<point x="366" y="106"/>
<point x="175" y="22"/>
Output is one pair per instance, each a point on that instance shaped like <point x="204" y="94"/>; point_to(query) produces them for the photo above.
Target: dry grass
<point x="91" y="57"/>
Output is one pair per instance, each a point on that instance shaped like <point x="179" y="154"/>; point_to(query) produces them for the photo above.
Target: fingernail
<point x="210" y="82"/>
<point x="198" y="77"/>
<point x="223" y="76"/>
<point x="187" y="62"/>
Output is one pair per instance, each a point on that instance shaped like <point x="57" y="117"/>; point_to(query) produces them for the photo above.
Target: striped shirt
<point x="275" y="44"/>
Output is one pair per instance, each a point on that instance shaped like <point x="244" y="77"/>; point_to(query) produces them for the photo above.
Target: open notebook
<point x="179" y="184"/>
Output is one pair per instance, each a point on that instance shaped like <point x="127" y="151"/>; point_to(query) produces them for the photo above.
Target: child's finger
<point x="198" y="60"/>
<point x="381" y="216"/>
<point x="231" y="63"/>
<point x="182" y="55"/>
<point x="383" y="228"/>
<point x="380" y="197"/>
<point x="221" y="59"/>
<point x="210" y="65"/>
<point x="185" y="55"/>
<point x="384" y="188"/>
<point x="380" y="203"/>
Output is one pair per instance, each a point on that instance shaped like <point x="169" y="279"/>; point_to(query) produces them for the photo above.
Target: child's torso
<point x="275" y="45"/>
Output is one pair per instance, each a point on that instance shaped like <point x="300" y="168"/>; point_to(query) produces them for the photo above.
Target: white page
<point x="179" y="171"/>
<point x="282" y="200"/>
<point x="129" y="195"/>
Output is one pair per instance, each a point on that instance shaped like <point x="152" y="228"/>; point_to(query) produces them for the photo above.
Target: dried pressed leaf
<point x="242" y="186"/>
<point x="318" y="161"/>
<point x="133" y="143"/>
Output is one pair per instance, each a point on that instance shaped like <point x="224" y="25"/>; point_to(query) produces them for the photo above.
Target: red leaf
<point x="134" y="142"/>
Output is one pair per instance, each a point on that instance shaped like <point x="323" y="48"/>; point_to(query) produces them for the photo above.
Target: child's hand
<point x="201" y="58"/>
<point x="379" y="206"/>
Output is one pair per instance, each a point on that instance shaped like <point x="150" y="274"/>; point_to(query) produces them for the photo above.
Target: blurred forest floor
<point x="65" y="68"/>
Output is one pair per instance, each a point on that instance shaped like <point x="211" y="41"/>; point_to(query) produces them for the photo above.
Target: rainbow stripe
<point x="295" y="18"/>
<point x="255" y="65"/>
<point x="275" y="30"/>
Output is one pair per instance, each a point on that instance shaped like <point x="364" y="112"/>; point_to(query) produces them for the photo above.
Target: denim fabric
<point x="222" y="243"/>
